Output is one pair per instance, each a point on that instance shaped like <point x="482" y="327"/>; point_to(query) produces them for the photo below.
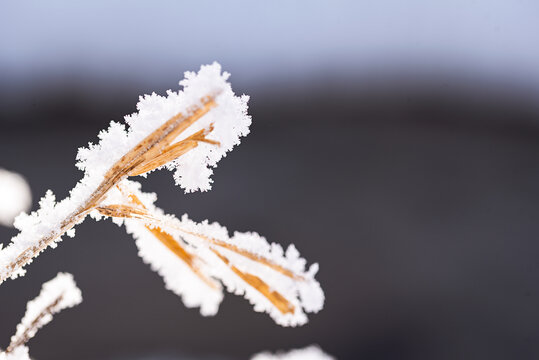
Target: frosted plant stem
<point x="279" y="301"/>
<point x="26" y="256"/>
<point x="34" y="326"/>
<point x="144" y="152"/>
<point x="56" y="295"/>
<point x="126" y="211"/>
<point x="195" y="259"/>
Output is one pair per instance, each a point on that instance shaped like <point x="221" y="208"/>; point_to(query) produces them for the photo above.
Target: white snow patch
<point x="15" y="196"/>
<point x="312" y="352"/>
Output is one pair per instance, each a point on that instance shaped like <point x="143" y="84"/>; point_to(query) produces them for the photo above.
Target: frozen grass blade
<point x="187" y="131"/>
<point x="56" y="295"/>
<point x="272" y="280"/>
<point x="207" y="106"/>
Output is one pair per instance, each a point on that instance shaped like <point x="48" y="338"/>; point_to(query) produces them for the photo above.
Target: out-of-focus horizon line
<point x="261" y="43"/>
<point x="277" y="85"/>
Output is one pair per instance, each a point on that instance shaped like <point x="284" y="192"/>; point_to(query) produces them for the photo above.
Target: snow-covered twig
<point x="56" y="295"/>
<point x="312" y="352"/>
<point x="188" y="131"/>
<point x="189" y="256"/>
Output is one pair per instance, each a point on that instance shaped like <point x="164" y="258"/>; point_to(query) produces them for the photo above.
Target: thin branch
<point x="56" y="295"/>
<point x="148" y="148"/>
<point x="50" y="310"/>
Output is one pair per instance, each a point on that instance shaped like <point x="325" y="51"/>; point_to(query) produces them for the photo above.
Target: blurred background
<point x="395" y="143"/>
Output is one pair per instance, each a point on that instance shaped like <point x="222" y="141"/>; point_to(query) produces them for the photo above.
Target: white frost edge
<point x="176" y="274"/>
<point x="19" y="353"/>
<point x="305" y="295"/>
<point x="62" y="285"/>
<point x="312" y="352"/>
<point x="193" y="170"/>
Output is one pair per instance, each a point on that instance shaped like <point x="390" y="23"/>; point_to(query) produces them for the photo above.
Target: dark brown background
<point x="414" y="187"/>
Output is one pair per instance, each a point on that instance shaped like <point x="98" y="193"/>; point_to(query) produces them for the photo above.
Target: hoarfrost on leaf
<point x="191" y="256"/>
<point x="187" y="131"/>
<point x="223" y="126"/>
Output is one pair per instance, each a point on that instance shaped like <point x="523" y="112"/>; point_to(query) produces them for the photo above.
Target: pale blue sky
<point x="151" y="40"/>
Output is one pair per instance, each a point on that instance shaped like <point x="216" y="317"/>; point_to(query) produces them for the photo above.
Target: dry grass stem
<point x="174" y="151"/>
<point x="179" y="251"/>
<point x="124" y="211"/>
<point x="283" y="305"/>
<point x="30" y="330"/>
<point x="154" y="145"/>
<point x="251" y="256"/>
<point x="280" y="302"/>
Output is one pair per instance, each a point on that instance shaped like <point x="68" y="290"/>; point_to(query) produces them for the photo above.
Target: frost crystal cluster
<point x="194" y="259"/>
<point x="56" y="295"/>
<point x="312" y="352"/>
<point x="188" y="132"/>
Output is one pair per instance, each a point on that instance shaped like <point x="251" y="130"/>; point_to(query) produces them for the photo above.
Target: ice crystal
<point x="188" y="131"/>
<point x="190" y="256"/>
<point x="228" y="118"/>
